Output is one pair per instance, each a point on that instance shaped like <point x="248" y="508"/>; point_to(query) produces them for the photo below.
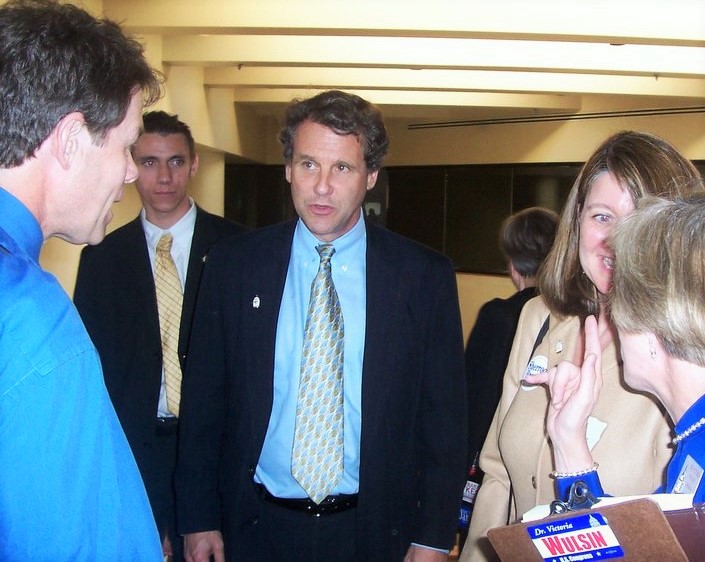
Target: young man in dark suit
<point x="395" y="493"/>
<point x="117" y="297"/>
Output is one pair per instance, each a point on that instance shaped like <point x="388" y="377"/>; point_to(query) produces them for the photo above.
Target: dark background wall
<point x="456" y="210"/>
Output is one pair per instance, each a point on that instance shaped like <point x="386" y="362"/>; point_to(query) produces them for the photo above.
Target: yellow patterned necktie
<point x="317" y="456"/>
<point x="169" y="302"/>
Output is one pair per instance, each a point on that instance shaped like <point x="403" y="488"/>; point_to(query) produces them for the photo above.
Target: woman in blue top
<point x="658" y="309"/>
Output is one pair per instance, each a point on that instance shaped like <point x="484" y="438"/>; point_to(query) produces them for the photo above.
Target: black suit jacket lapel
<point x="203" y="238"/>
<point x="140" y="279"/>
<point x="265" y="279"/>
<point x="382" y="316"/>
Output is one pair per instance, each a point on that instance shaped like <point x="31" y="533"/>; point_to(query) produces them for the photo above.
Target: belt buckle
<point x="331" y="504"/>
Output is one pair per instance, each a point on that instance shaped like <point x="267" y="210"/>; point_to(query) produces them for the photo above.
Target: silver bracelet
<point x="575" y="474"/>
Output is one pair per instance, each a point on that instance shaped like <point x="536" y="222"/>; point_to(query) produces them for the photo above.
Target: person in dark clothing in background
<point x="526" y="237"/>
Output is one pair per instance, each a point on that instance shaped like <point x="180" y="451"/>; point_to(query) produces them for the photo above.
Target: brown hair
<point x="526" y="238"/>
<point x="56" y="59"/>
<point x="344" y="113"/>
<point x="643" y="164"/>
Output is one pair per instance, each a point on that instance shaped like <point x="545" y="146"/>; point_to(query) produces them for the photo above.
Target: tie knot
<point x="326" y="252"/>
<point x="164" y="244"/>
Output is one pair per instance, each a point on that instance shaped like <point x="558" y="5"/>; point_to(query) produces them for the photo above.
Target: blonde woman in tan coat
<point x="628" y="432"/>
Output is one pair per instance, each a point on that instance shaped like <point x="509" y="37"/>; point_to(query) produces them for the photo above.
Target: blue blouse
<point x="685" y="471"/>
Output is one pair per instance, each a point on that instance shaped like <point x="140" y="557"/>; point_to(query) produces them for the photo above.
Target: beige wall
<point x="475" y="290"/>
<point x="570" y="141"/>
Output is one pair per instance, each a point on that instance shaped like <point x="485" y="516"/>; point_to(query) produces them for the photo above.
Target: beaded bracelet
<point x="575" y="474"/>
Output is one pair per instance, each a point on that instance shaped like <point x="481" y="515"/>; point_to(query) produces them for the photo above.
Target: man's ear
<point x="372" y="179"/>
<point x="287" y="171"/>
<point x="66" y="137"/>
<point x="194" y="166"/>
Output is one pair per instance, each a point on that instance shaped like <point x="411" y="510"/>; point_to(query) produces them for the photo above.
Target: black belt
<point x="167" y="426"/>
<point x="329" y="505"/>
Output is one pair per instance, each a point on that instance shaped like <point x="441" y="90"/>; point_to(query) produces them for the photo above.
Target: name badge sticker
<point x="584" y="537"/>
<point x="537" y="365"/>
<point x="689" y="477"/>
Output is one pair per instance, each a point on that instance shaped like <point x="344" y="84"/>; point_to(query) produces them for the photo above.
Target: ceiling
<point x="439" y="62"/>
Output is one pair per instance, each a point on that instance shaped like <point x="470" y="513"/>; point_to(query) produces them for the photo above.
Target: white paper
<point x="667" y="502"/>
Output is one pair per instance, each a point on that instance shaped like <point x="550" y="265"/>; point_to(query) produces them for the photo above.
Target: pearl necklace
<point x="697" y="425"/>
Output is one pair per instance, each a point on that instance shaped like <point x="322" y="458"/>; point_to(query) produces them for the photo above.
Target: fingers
<point x="567" y="381"/>
<point x="592" y="339"/>
<point x="591" y="370"/>
<point x="537" y="378"/>
<point x="588" y="374"/>
<point x="564" y="379"/>
<point x="199" y="547"/>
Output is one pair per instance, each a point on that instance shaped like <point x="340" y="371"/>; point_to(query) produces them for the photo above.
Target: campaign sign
<point x="585" y="537"/>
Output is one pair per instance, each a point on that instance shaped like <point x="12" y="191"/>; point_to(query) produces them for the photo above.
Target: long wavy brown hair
<point x="641" y="163"/>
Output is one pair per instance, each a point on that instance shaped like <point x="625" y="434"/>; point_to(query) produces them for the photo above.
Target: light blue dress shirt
<point x="348" y="267"/>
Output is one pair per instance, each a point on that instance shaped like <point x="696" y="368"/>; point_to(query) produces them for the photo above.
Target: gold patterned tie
<point x="317" y="456"/>
<point x="169" y="302"/>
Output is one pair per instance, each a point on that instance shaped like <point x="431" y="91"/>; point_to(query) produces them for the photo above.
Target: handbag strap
<point x="539" y="338"/>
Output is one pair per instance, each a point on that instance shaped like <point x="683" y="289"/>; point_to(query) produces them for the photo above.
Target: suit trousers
<point x="159" y="481"/>
<point x="284" y="535"/>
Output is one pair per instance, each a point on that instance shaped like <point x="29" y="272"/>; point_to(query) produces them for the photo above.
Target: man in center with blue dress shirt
<point x="396" y="494"/>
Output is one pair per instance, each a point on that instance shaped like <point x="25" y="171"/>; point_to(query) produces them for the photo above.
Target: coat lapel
<point x="264" y="280"/>
<point x="382" y="311"/>
<point x="203" y="239"/>
<point x="138" y="273"/>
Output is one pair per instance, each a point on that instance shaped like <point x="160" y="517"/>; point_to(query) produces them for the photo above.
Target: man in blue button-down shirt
<point x="71" y="97"/>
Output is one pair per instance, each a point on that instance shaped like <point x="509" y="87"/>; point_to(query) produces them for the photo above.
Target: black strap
<point x="539" y="338"/>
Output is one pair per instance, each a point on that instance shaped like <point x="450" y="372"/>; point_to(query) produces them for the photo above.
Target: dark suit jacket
<point x="116" y="298"/>
<point x="486" y="356"/>
<point x="413" y="389"/>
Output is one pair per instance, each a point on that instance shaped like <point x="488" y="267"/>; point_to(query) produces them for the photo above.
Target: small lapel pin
<point x="559" y="346"/>
<point x="203" y="259"/>
<point x="255" y="302"/>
